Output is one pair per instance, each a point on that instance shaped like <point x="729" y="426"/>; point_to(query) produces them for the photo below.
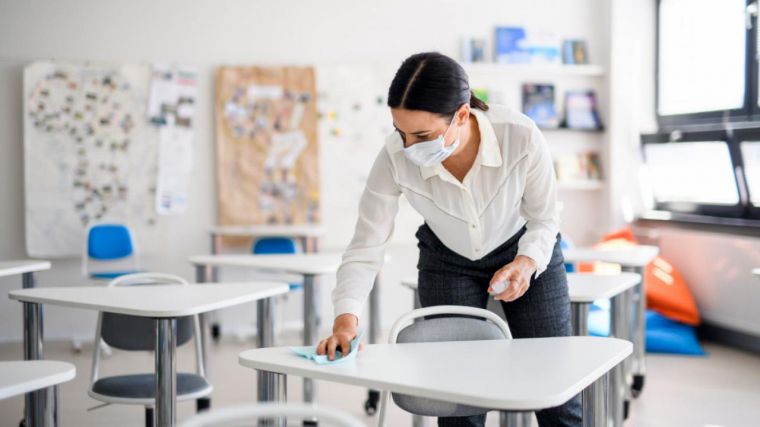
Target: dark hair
<point x="433" y="82"/>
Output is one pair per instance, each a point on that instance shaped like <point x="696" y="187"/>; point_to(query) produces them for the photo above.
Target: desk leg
<point x="579" y="313"/>
<point x="166" y="372"/>
<point x="212" y="275"/>
<point x="619" y="328"/>
<point x="373" y="396"/>
<point x="202" y="276"/>
<point x="265" y="322"/>
<point x="309" y="327"/>
<point x="638" y="361"/>
<point x="39" y="406"/>
<point x="272" y="387"/>
<point x="515" y="419"/>
<point x="595" y="403"/>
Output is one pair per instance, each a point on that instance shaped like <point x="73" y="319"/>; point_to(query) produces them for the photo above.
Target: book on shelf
<point x="578" y="167"/>
<point x="538" y="104"/>
<point x="581" y="111"/>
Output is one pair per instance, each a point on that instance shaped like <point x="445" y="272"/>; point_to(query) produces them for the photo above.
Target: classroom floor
<point x="722" y="389"/>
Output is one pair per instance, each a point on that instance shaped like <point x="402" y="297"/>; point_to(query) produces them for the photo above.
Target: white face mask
<point x="429" y="153"/>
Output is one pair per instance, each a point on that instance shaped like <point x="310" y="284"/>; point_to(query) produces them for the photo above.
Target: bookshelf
<point x="582" y="199"/>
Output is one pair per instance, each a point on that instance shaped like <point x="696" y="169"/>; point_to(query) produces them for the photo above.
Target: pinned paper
<point x="310" y="352"/>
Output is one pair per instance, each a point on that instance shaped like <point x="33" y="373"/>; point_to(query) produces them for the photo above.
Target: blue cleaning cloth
<point x="310" y="352"/>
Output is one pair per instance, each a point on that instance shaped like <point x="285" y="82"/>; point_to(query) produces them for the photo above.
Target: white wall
<point x="211" y="33"/>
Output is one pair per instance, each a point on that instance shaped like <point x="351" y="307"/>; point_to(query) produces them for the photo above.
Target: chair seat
<point x="143" y="386"/>
<point x="108" y="275"/>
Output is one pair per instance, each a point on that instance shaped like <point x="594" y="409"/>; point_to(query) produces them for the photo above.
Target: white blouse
<point x="511" y="184"/>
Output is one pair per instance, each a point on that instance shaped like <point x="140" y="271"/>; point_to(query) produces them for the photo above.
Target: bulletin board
<point x="266" y="146"/>
<point x="91" y="150"/>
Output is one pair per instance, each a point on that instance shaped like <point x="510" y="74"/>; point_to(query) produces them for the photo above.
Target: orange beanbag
<point x="666" y="291"/>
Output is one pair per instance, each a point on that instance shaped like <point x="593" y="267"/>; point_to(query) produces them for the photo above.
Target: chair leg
<point x="148" y="417"/>
<point x="202" y="404"/>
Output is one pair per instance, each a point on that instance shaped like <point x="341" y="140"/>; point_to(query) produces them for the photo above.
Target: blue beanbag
<point x="662" y="335"/>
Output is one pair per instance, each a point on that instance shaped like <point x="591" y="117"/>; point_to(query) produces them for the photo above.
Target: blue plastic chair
<point x="276" y="245"/>
<point x="569" y="267"/>
<point x="110" y="245"/>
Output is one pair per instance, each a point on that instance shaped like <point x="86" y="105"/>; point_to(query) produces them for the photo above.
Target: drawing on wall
<point x="87" y="150"/>
<point x="267" y="154"/>
<point x="171" y="108"/>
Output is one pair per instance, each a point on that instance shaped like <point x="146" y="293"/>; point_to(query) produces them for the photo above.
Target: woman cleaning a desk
<point x="482" y="178"/>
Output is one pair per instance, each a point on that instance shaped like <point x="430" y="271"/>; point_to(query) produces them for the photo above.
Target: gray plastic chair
<point x="242" y="415"/>
<point x="134" y="333"/>
<point x="412" y="327"/>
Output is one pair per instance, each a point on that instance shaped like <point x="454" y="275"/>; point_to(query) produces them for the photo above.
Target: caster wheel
<point x="626" y="407"/>
<point x="202" y="404"/>
<point x="310" y="423"/>
<point x="637" y="386"/>
<point x="370" y="405"/>
<point x="216" y="332"/>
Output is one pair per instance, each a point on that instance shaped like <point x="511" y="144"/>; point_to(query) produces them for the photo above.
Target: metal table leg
<point x="595" y="403"/>
<point x="579" y="312"/>
<point x="309" y="327"/>
<point x="515" y="419"/>
<point x="373" y="396"/>
<point x="212" y="275"/>
<point x="39" y="406"/>
<point x="166" y="372"/>
<point x="272" y="387"/>
<point x="202" y="276"/>
<point x="638" y="361"/>
<point x="619" y="328"/>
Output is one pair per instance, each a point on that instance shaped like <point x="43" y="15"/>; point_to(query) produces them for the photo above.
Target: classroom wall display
<point x="171" y="108"/>
<point x="266" y="146"/>
<point x="89" y="152"/>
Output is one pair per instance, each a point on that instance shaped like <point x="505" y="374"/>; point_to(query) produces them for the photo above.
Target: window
<point x="704" y="62"/>
<point x="703" y="165"/>
<point x="702" y="49"/>
<point x="691" y="173"/>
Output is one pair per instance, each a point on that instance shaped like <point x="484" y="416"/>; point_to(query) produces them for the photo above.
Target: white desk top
<point x="304" y="230"/>
<point x="317" y="263"/>
<point x="9" y="268"/>
<point x="153" y="301"/>
<point x="19" y="377"/>
<point x="587" y="288"/>
<point x="583" y="288"/>
<point x="756" y="272"/>
<point x="524" y="374"/>
<point x="634" y="256"/>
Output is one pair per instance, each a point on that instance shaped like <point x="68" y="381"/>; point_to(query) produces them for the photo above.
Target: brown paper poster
<point x="266" y="142"/>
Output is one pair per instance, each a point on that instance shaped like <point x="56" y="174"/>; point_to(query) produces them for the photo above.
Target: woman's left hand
<point x="517" y="274"/>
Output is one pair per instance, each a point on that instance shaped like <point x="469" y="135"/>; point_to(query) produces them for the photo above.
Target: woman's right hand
<point x="344" y="331"/>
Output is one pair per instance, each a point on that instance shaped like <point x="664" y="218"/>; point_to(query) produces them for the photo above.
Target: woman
<point x="483" y="179"/>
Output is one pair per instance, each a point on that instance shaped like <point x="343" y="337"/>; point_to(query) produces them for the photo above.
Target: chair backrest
<point x="445" y="323"/>
<point x="109" y="248"/>
<point x="243" y="415"/>
<point x="274" y="245"/>
<point x="136" y="333"/>
<point x="109" y="242"/>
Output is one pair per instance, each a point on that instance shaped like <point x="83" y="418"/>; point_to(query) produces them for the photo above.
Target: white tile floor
<point x="722" y="389"/>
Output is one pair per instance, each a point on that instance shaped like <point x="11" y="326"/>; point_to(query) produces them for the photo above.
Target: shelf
<point x="588" y="184"/>
<point x="589" y="70"/>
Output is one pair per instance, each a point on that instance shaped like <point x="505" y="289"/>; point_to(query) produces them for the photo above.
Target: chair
<point x="111" y="248"/>
<point x="277" y="245"/>
<point x="479" y="324"/>
<point x="132" y="333"/>
<point x="241" y="415"/>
